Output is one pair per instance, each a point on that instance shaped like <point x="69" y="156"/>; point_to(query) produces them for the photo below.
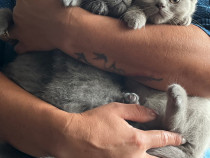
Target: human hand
<point x="103" y="132"/>
<point x="40" y="24"/>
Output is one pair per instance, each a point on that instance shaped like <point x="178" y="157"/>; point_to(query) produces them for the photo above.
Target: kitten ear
<point x="72" y="3"/>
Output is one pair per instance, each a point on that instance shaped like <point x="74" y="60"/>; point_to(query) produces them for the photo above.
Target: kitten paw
<point x="72" y="3"/>
<point x="134" y="20"/>
<point x="130" y="98"/>
<point x="186" y="21"/>
<point x="177" y="96"/>
<point x="175" y="115"/>
<point x="97" y="7"/>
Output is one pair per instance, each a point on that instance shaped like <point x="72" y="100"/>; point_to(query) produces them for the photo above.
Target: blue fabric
<point x="7" y="4"/>
<point x="7" y="52"/>
<point x="207" y="155"/>
<point x="202" y="16"/>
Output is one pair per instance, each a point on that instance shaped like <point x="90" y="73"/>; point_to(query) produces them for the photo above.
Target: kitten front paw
<point x="130" y="98"/>
<point x="96" y="6"/>
<point x="176" y="110"/>
<point x="177" y="96"/>
<point x="134" y="19"/>
<point x="186" y="21"/>
<point x="72" y="3"/>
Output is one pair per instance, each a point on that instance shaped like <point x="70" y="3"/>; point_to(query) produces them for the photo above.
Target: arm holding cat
<point x="155" y="55"/>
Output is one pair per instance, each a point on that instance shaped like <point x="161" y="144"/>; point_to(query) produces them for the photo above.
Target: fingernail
<point x="184" y="141"/>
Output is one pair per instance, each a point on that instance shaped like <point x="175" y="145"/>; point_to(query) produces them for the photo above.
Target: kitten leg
<point x="74" y="3"/>
<point x="130" y="98"/>
<point x="135" y="17"/>
<point x="96" y="6"/>
<point x="5" y="19"/>
<point x="175" y="115"/>
<point x="174" y="120"/>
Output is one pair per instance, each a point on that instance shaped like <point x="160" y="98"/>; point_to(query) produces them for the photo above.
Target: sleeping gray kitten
<point x="75" y="87"/>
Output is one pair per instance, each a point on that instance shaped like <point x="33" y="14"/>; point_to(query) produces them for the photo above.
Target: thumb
<point x="156" y="139"/>
<point x="137" y="113"/>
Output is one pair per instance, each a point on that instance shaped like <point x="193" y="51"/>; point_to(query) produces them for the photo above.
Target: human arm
<point x="155" y="55"/>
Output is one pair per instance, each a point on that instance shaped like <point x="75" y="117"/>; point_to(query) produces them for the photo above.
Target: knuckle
<point x="117" y="106"/>
<point x="138" y="141"/>
<point x="164" y="137"/>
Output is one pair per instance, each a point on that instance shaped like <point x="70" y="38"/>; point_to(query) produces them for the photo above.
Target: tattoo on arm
<point x="82" y="57"/>
<point x="113" y="66"/>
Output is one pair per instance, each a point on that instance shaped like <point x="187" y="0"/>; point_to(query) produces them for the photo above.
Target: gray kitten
<point x="177" y="12"/>
<point x="75" y="87"/>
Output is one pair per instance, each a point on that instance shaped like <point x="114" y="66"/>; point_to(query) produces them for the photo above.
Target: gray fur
<point x="114" y="8"/>
<point x="75" y="87"/>
<point x="160" y="12"/>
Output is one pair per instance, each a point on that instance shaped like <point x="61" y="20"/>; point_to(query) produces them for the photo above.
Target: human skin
<point x="39" y="129"/>
<point x="155" y="55"/>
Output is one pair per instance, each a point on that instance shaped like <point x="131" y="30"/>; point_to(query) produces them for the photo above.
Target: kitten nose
<point x="160" y="5"/>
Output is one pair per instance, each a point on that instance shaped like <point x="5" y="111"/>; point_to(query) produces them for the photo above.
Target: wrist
<point x="81" y="27"/>
<point x="68" y="135"/>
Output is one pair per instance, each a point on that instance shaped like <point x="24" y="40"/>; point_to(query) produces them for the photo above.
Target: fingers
<point x="134" y="112"/>
<point x="156" y="139"/>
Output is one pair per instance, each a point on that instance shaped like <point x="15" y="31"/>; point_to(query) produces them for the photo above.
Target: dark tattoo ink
<point x="82" y="57"/>
<point x="112" y="67"/>
<point x="100" y="57"/>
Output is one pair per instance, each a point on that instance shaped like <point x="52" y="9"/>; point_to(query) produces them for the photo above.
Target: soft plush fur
<point x="113" y="8"/>
<point x="75" y="87"/>
<point x="177" y="12"/>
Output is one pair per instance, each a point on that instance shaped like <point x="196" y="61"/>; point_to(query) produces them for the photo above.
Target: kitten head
<point x="168" y="11"/>
<point x="117" y="7"/>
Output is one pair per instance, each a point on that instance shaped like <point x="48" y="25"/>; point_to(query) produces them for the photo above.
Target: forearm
<point x="26" y="122"/>
<point x="155" y="55"/>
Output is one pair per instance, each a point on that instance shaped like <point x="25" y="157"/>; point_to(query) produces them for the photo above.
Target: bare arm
<point x="155" y="55"/>
<point x="26" y="122"/>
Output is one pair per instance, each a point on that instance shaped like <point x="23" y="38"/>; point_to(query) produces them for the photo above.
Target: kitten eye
<point x="174" y="1"/>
